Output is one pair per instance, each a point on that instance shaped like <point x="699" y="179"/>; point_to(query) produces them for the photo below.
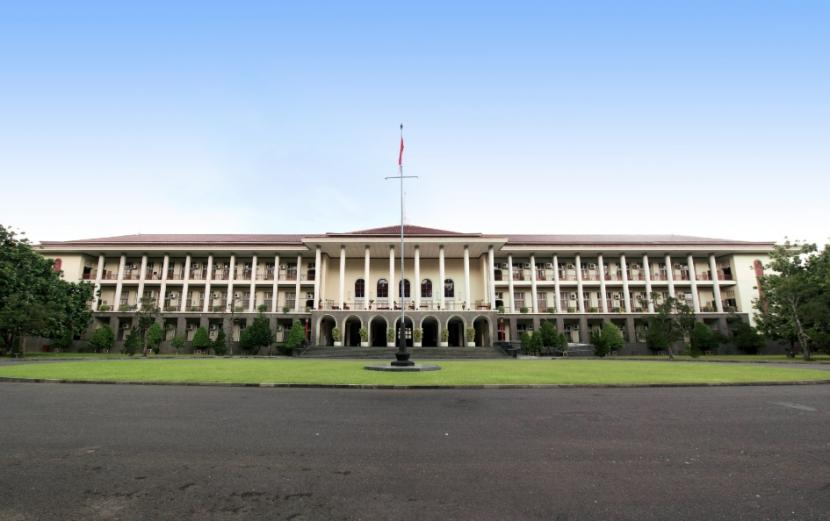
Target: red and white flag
<point x="400" y="154"/>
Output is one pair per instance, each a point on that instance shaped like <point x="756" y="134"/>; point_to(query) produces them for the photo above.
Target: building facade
<point x="461" y="288"/>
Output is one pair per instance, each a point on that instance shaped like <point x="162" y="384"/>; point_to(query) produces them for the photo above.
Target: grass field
<point x="566" y="372"/>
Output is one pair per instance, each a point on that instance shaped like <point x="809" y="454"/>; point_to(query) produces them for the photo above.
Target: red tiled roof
<point x="519" y="239"/>
<point x="408" y="229"/>
<point x="188" y="238"/>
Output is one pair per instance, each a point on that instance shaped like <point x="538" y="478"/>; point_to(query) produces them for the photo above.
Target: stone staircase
<point x="418" y="353"/>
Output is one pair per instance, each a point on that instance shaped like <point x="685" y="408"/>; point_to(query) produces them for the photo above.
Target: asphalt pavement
<point x="107" y="452"/>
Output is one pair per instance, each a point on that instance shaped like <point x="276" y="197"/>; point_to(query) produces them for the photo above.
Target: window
<point x="449" y="288"/>
<point x="359" y="288"/>
<point x="405" y="291"/>
<point x="383" y="288"/>
<point x="426" y="288"/>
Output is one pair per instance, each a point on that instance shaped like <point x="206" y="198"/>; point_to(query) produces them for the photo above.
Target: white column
<point x="441" y="277"/>
<point x="367" y="285"/>
<point x="163" y="289"/>
<point x="392" y="283"/>
<point x="512" y="307"/>
<point x="693" y="279"/>
<point x="186" y="278"/>
<point x="342" y="280"/>
<point x="208" y="279"/>
<point x="670" y="275"/>
<point x="323" y="274"/>
<point x="535" y="306"/>
<point x="141" y="278"/>
<point x="580" y="302"/>
<point x="318" y="272"/>
<point x="647" y="271"/>
<point x="275" y="291"/>
<point x="603" y="297"/>
<point x="491" y="276"/>
<point x="231" y="275"/>
<point x="713" y="267"/>
<point x="119" y="282"/>
<point x="252" y="291"/>
<point x="557" y="293"/>
<point x="417" y="280"/>
<point x="297" y="300"/>
<point x="484" y="286"/>
<point x="99" y="274"/>
<point x="626" y="293"/>
<point x="467" y="293"/>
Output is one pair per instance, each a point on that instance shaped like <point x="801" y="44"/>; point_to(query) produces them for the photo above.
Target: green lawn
<point x="453" y="372"/>
<point x="731" y="358"/>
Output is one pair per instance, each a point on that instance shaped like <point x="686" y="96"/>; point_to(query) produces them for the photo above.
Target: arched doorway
<point x="351" y="331"/>
<point x="429" y="336"/>
<point x="455" y="328"/>
<point x="377" y="332"/>
<point x="324" y="337"/>
<point x="408" y="332"/>
<point x="482" y="327"/>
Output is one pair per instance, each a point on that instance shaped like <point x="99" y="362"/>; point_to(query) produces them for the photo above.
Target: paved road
<point x="99" y="452"/>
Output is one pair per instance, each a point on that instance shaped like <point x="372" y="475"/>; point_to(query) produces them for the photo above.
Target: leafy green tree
<point x="102" y="339"/>
<point x="154" y="337"/>
<point x="34" y="300"/>
<point x="674" y="321"/>
<point x="551" y="338"/>
<point x="702" y="339"/>
<point x="177" y="343"/>
<point x="296" y="336"/>
<point x="201" y="340"/>
<point x="607" y="339"/>
<point x="133" y="342"/>
<point x="147" y="315"/>
<point x="256" y="336"/>
<point x="220" y="345"/>
<point x="746" y="338"/>
<point x="795" y="296"/>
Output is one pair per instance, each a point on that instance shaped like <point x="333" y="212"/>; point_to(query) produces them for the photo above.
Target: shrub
<point x="256" y="336"/>
<point x="417" y="334"/>
<point x="657" y="336"/>
<point x="102" y="339"/>
<point x="201" y="340"/>
<point x="220" y="345"/>
<point x="296" y="337"/>
<point x="390" y="334"/>
<point x="702" y="339"/>
<point x="364" y="334"/>
<point x="607" y="339"/>
<point x="262" y="308"/>
<point x="154" y="337"/>
<point x="335" y="334"/>
<point x="470" y="334"/>
<point x="445" y="335"/>
<point x="177" y="343"/>
<point x="523" y="309"/>
<point x="551" y="337"/>
<point x="132" y="343"/>
<point x="746" y="338"/>
<point x="531" y="343"/>
<point x="286" y="309"/>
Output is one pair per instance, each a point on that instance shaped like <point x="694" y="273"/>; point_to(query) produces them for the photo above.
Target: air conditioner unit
<point x="569" y="266"/>
<point x="216" y="295"/>
<point x="196" y="266"/>
<point x="548" y="265"/>
<point x="125" y="325"/>
<point x="173" y="295"/>
<point x="283" y="266"/>
<point x="214" y="327"/>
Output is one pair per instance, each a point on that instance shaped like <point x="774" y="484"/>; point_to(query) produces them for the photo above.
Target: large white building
<point x="481" y="288"/>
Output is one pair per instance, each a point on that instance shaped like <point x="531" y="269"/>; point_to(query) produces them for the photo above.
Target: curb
<point x="415" y="387"/>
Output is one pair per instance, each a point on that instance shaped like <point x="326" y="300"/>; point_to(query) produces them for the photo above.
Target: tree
<point x="220" y="345"/>
<point x="132" y="342"/>
<point x="607" y="339"/>
<point x="746" y="338"/>
<point x="154" y="337"/>
<point x="702" y="339"/>
<point x="177" y="343"/>
<point x="147" y="315"/>
<point x="102" y="339"/>
<point x="674" y="321"/>
<point x="296" y="337"/>
<point x="256" y="336"/>
<point x="34" y="300"/>
<point x="795" y="296"/>
<point x="551" y="338"/>
<point x="201" y="340"/>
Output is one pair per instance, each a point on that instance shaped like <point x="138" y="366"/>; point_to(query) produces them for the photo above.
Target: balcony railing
<point x="175" y="274"/>
<point x="132" y="275"/>
<point x="567" y="275"/>
<point x="613" y="276"/>
<point x="109" y="275"/>
<point x="568" y="306"/>
<point x="636" y="275"/>
<point x="267" y="274"/>
<point x="681" y="275"/>
<point x="220" y="275"/>
<point x="590" y="275"/>
<point x="195" y="304"/>
<point x="172" y="305"/>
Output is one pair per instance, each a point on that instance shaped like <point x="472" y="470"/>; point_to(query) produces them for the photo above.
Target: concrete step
<point x="419" y="353"/>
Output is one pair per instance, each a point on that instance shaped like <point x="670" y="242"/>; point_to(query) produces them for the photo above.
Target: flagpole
<point x="402" y="356"/>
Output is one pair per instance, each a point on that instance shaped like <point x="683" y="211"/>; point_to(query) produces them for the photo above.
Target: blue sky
<point x="692" y="117"/>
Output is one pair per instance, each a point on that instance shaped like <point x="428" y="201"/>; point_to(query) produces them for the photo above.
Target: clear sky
<point x="693" y="117"/>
